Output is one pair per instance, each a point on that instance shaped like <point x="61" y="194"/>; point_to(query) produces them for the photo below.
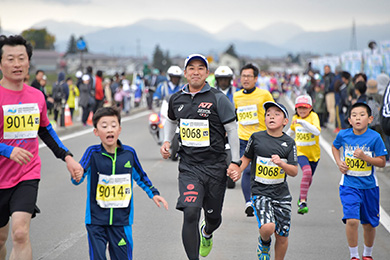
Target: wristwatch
<point x="237" y="163"/>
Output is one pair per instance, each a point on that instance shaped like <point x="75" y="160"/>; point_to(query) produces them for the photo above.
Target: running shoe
<point x="249" y="211"/>
<point x="263" y="251"/>
<point x="302" y="207"/>
<point x="354" y="258"/>
<point x="205" y="243"/>
<point x="367" y="258"/>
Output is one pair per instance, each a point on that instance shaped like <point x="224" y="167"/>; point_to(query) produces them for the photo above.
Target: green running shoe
<point x="302" y="207"/>
<point x="205" y="243"/>
<point x="263" y="251"/>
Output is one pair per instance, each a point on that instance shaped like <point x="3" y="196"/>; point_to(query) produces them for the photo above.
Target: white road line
<point x="384" y="217"/>
<point x="89" y="130"/>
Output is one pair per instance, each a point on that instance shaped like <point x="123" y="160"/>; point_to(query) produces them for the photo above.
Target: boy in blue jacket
<point x="111" y="168"/>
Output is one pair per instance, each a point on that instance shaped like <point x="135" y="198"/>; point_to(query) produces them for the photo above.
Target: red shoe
<point x="367" y="258"/>
<point x="354" y="258"/>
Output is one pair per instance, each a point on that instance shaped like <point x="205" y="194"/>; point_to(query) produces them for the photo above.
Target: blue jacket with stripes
<point x="96" y="160"/>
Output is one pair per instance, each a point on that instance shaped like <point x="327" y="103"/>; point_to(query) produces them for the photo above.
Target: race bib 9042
<point x="357" y="167"/>
<point x="21" y="121"/>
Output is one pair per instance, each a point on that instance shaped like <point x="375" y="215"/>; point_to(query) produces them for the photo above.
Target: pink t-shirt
<point x="21" y="114"/>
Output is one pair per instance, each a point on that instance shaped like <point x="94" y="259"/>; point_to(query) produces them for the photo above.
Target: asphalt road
<point x="59" y="233"/>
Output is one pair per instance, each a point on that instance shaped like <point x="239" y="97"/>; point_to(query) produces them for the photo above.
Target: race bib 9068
<point x="195" y="132"/>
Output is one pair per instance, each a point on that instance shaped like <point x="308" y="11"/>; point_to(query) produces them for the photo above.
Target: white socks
<point x="354" y="252"/>
<point x="367" y="251"/>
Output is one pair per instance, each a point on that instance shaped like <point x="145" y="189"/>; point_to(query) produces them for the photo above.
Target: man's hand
<point x="164" y="150"/>
<point x="21" y="156"/>
<point x="75" y="169"/>
<point x="234" y="172"/>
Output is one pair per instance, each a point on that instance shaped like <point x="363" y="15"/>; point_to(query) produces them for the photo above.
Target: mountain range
<point x="181" y="38"/>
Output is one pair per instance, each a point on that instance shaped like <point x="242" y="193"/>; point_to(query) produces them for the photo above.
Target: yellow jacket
<point x="250" y="111"/>
<point x="73" y="93"/>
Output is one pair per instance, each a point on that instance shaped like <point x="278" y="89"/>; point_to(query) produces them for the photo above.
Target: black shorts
<point x="202" y="186"/>
<point x="22" y="197"/>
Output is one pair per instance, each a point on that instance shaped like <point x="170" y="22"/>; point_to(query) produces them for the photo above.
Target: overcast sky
<point x="211" y="15"/>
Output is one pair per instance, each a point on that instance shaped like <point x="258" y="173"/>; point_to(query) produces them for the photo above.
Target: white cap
<point x="223" y="71"/>
<point x="79" y="74"/>
<point x="175" y="71"/>
<point x="303" y="101"/>
<point x="196" y="56"/>
<point x="85" y="77"/>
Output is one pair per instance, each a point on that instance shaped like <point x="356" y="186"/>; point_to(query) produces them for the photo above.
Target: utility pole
<point x="353" y="46"/>
<point x="138" y="48"/>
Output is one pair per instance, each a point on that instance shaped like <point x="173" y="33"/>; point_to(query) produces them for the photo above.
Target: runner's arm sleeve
<point x="6" y="150"/>
<point x="169" y="130"/>
<point x="231" y="129"/>
<point x="309" y="127"/>
<point x="142" y="179"/>
<point x="51" y="139"/>
<point x="290" y="132"/>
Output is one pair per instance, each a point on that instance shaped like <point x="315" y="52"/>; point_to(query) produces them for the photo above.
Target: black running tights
<point x="190" y="230"/>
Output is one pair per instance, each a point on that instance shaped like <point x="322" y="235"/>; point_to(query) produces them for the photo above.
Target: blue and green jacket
<point x="97" y="160"/>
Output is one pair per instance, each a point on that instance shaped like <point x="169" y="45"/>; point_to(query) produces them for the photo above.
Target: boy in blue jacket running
<point x="111" y="168"/>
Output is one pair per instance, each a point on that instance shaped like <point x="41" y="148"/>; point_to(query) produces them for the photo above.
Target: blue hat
<point x="269" y="104"/>
<point x="196" y="56"/>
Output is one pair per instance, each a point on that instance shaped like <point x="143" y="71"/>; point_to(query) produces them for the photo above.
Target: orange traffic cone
<point x="89" y="121"/>
<point x="68" y="117"/>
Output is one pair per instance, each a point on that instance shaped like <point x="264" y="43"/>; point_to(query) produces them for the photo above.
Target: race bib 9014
<point x="113" y="191"/>
<point x="21" y="121"/>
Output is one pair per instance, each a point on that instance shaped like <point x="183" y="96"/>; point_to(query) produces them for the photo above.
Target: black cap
<point x="269" y="104"/>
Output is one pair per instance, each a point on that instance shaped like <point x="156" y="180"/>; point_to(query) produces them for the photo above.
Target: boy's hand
<point x="164" y="150"/>
<point x="343" y="167"/>
<point x="276" y="160"/>
<point x="358" y="153"/>
<point x="21" y="156"/>
<point x="78" y="175"/>
<point x="157" y="199"/>
<point x="75" y="169"/>
<point x="234" y="172"/>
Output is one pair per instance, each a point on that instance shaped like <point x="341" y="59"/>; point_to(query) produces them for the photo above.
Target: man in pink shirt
<point x="23" y="116"/>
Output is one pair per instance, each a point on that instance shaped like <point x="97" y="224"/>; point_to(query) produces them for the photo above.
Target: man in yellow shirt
<point x="250" y="115"/>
